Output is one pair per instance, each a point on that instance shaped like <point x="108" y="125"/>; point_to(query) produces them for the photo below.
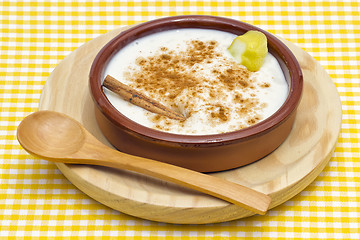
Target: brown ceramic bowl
<point x="205" y="153"/>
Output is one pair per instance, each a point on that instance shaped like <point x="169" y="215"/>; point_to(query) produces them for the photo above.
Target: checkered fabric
<point x="37" y="201"/>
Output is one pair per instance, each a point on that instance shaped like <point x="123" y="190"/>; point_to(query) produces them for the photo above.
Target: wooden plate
<point x="282" y="174"/>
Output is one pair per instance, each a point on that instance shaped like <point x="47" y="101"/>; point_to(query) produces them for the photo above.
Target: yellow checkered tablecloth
<point x="37" y="201"/>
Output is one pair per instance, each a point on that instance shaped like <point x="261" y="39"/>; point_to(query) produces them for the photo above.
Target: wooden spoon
<point x="56" y="137"/>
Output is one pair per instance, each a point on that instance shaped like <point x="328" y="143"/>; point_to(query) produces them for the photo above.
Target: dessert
<point x="192" y="72"/>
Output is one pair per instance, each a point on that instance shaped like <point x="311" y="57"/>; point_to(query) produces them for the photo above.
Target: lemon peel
<point x="250" y="49"/>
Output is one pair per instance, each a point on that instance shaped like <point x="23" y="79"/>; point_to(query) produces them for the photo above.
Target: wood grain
<point x="282" y="174"/>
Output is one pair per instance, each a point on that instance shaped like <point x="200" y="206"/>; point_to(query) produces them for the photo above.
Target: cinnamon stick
<point x="139" y="99"/>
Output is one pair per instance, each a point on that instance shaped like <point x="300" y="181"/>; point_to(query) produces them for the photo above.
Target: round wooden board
<point x="282" y="174"/>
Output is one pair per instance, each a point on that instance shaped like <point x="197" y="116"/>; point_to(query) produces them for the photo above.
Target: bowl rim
<point x="275" y="45"/>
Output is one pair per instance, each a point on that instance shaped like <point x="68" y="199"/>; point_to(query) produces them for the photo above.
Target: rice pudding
<point x="191" y="71"/>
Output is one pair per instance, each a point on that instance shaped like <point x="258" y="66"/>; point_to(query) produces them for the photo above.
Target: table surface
<point x="37" y="201"/>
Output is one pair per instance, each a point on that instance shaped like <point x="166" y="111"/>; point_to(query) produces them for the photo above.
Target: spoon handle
<point x="234" y="193"/>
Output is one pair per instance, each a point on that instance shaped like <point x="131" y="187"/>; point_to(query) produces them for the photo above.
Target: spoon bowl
<point x="61" y="143"/>
<point x="56" y="137"/>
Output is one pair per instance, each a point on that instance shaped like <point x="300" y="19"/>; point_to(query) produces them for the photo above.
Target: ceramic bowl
<point x="204" y="153"/>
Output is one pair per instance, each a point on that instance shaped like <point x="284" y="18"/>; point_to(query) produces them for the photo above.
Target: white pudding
<point x="191" y="71"/>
